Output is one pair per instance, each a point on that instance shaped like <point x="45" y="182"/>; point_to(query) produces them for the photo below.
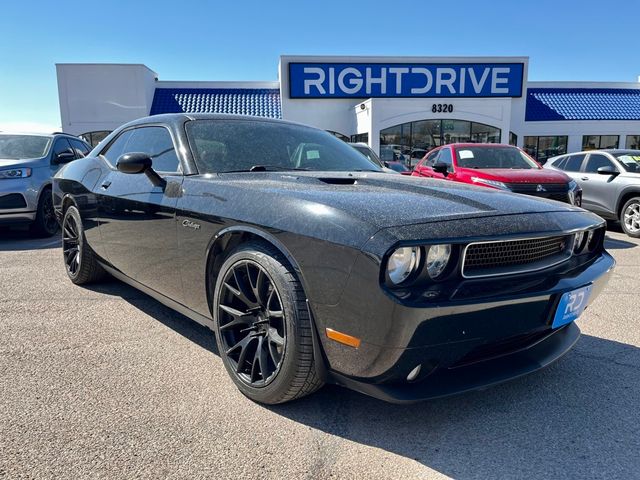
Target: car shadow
<point x="19" y="239"/>
<point x="578" y="418"/>
<point x="177" y="322"/>
<point x="617" y="244"/>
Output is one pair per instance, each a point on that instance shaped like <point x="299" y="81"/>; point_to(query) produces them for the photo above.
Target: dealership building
<point x="409" y="104"/>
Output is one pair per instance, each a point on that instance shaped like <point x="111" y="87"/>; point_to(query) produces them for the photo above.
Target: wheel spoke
<point x="243" y="288"/>
<point x="243" y="353"/>
<point x="270" y="312"/>
<point x="260" y="362"/>
<point x="232" y="311"/>
<point x="235" y="323"/>
<point x="275" y="337"/>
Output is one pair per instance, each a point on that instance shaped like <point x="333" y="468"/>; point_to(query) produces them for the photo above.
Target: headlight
<point x="579" y="242"/>
<point x="15" y="173"/>
<point x="437" y="259"/>
<point x="491" y="183"/>
<point x="573" y="185"/>
<point x="402" y="263"/>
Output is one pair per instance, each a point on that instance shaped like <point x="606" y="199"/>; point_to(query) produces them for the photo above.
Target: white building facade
<point x="395" y="104"/>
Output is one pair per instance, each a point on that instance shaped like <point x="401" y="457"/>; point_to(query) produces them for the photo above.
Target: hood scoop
<point x="339" y="180"/>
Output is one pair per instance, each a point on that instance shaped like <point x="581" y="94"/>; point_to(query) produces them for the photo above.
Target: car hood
<point x="382" y="200"/>
<point x="508" y="175"/>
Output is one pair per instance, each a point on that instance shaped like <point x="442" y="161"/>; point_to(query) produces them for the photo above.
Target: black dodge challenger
<point x="312" y="266"/>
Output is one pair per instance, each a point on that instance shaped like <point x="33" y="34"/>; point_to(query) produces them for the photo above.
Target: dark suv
<point x="27" y="163"/>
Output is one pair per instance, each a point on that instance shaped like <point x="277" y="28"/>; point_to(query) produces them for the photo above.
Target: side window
<point x="445" y="157"/>
<point x="80" y="148"/>
<point x="62" y="146"/>
<point x="573" y="163"/>
<point x="157" y="143"/>
<point x="595" y="161"/>
<point x="560" y="162"/>
<point x="117" y="147"/>
<point x="431" y="159"/>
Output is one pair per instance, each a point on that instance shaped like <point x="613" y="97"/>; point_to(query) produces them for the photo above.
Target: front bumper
<point x="18" y="201"/>
<point x="483" y="333"/>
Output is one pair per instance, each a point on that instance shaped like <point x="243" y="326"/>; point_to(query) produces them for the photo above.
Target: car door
<point x="137" y="219"/>
<point x="571" y="165"/>
<point x="599" y="192"/>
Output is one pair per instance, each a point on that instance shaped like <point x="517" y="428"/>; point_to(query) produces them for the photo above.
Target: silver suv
<point x="610" y="181"/>
<point x="27" y="163"/>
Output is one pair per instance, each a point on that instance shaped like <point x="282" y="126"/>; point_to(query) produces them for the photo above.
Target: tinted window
<point x="22" y="147"/>
<point x="431" y="159"/>
<point x="80" y="148"/>
<point x="560" y="162"/>
<point x="117" y="147"/>
<point x="596" y="161"/>
<point x="232" y="145"/>
<point x="61" y="145"/>
<point x="155" y="142"/>
<point x="445" y="157"/>
<point x="573" y="163"/>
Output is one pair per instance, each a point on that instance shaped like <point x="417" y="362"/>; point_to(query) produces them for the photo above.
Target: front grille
<point x="13" y="200"/>
<point x="552" y="191"/>
<point x="514" y="256"/>
<point x="501" y="348"/>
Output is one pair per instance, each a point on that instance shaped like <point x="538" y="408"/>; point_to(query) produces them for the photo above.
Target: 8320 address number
<point x="442" y="108"/>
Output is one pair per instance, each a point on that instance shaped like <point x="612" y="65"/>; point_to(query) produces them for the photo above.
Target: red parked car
<point x="503" y="167"/>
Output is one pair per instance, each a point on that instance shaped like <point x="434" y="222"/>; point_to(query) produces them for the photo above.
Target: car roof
<point x="31" y="134"/>
<point x="176" y="118"/>
<point x="481" y="145"/>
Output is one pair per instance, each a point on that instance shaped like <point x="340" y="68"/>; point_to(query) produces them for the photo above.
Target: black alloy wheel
<point x="252" y="323"/>
<point x="71" y="244"/>
<point x="263" y="326"/>
<point x="80" y="261"/>
<point x="45" y="224"/>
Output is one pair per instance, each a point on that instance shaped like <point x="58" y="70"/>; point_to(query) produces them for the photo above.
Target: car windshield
<point x="630" y="160"/>
<point x="23" y="147"/>
<point x="370" y="154"/>
<point x="494" y="157"/>
<point x="239" y="145"/>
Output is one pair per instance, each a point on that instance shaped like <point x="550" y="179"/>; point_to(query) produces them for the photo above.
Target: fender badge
<point x="190" y="224"/>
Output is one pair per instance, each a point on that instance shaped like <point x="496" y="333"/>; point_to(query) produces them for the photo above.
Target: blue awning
<point x="549" y="104"/>
<point x="261" y="102"/>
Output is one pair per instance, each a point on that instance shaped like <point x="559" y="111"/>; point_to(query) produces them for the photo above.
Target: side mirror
<point x="63" y="157"/>
<point x="608" y="170"/>
<point x="386" y="164"/>
<point x="133" y="163"/>
<point x="442" y="168"/>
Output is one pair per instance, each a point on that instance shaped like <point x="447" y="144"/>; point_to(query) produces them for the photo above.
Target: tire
<point x="630" y="217"/>
<point x="45" y="224"/>
<point x="81" y="263"/>
<point x="262" y="326"/>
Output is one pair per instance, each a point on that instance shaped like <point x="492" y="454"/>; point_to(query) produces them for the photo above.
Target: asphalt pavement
<point x="105" y="382"/>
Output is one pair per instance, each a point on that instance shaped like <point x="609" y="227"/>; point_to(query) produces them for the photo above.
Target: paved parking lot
<point x="105" y="382"/>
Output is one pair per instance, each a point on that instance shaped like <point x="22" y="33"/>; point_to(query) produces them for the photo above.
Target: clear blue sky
<point x="241" y="40"/>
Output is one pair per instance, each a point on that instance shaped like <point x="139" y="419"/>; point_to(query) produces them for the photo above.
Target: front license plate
<point x="571" y="306"/>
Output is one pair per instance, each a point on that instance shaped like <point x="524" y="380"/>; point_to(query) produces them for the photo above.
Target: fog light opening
<point x="413" y="374"/>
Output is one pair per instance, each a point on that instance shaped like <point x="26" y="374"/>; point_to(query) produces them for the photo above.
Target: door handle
<point x="106" y="184"/>
<point x="584" y="178"/>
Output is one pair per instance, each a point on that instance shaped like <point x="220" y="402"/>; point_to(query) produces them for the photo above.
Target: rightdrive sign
<point x="403" y="80"/>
